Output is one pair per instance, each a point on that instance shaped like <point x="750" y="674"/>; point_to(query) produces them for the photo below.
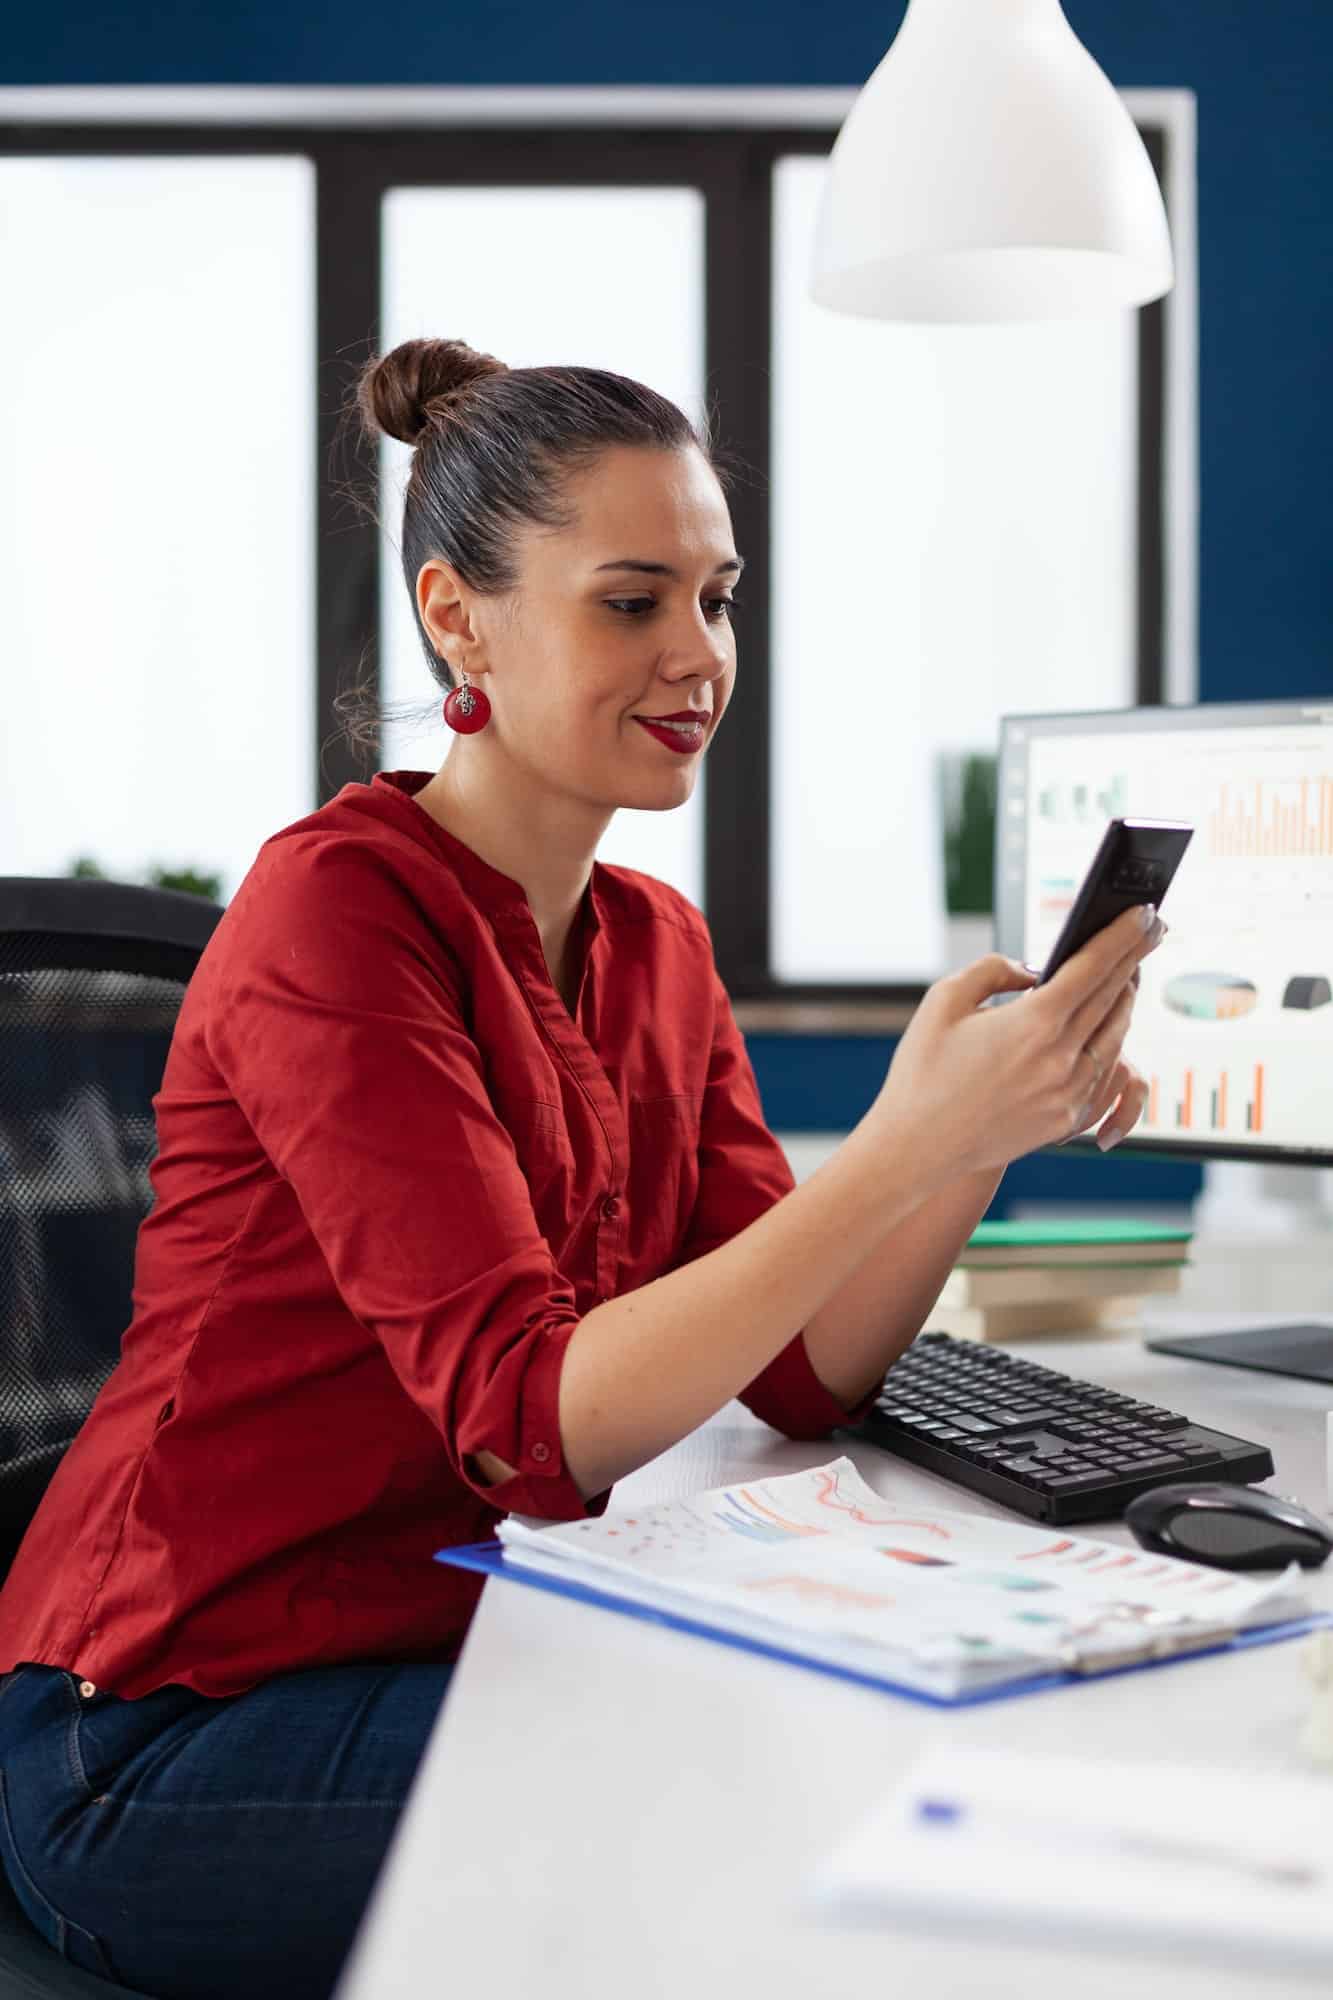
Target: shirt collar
<point x="490" y="890"/>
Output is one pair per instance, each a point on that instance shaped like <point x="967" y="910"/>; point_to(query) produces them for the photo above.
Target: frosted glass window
<point x="156" y="518"/>
<point x="954" y="538"/>
<point x="602" y="277"/>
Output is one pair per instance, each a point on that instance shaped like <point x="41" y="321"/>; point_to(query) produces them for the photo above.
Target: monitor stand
<point x="1278" y="1205"/>
<point x="1305" y="1350"/>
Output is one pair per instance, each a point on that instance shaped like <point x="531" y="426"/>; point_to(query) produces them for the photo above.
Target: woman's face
<point x="621" y="616"/>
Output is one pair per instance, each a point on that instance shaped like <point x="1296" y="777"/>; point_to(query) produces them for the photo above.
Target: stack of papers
<point x="1213" y="1862"/>
<point x="942" y="1603"/>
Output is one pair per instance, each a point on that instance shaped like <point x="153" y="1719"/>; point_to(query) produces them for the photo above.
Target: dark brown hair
<point x="494" y="446"/>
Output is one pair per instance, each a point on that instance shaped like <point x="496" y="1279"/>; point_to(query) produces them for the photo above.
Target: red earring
<point x="467" y="709"/>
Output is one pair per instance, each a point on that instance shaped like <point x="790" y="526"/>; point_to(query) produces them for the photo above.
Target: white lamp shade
<point x="989" y="171"/>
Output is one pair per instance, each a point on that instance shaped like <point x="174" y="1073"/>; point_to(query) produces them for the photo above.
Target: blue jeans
<point x="202" y="1849"/>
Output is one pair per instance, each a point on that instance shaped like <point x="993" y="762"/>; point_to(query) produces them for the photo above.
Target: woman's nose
<point x="702" y="648"/>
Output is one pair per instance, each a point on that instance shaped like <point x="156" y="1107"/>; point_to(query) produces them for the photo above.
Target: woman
<point x="464" y="1204"/>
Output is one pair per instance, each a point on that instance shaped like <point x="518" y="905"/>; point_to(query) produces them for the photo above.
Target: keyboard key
<point x="1070" y="1482"/>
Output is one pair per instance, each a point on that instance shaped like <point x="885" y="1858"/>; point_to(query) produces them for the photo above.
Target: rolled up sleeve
<point x="339" y="1027"/>
<point x="743" y="1171"/>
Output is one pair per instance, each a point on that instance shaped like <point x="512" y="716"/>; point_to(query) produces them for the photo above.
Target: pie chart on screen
<point x="1210" y="996"/>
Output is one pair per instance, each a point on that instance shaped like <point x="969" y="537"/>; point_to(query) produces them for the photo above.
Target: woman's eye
<point x="717" y="607"/>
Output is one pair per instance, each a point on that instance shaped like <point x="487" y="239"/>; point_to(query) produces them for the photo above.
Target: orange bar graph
<point x="1301" y="822"/>
<point x="1213" y="1104"/>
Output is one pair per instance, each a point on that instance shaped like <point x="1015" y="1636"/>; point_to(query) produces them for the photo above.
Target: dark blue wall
<point x="1263" y="74"/>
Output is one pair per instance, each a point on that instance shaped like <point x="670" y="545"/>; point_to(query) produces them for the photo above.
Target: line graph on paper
<point x="830" y="1501"/>
<point x="744" y="1510"/>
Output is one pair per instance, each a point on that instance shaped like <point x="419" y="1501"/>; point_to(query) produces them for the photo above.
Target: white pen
<point x="1161" y="1847"/>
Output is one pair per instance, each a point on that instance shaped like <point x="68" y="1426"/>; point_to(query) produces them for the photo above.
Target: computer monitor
<point x="1234" y="1022"/>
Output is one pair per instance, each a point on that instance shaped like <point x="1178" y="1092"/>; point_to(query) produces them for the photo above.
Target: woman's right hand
<point x="978" y="1086"/>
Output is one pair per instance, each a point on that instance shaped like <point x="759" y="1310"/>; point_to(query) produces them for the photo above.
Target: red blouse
<point x="392" y="1173"/>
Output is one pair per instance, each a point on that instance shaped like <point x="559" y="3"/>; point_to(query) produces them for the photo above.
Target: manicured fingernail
<point x="1159" y="931"/>
<point x="1148" y="915"/>
<point x="1110" y="1135"/>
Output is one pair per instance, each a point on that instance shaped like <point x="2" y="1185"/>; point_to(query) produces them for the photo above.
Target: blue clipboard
<point x="489" y="1559"/>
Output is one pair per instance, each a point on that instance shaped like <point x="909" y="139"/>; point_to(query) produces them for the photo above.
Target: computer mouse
<point x="1231" y="1527"/>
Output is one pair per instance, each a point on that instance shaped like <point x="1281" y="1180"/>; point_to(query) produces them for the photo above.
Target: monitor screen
<point x="1234" y="1023"/>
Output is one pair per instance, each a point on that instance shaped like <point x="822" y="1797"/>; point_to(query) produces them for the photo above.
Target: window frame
<point x="725" y="143"/>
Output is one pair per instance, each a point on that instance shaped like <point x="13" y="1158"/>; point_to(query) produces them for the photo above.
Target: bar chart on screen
<point x="1193" y="1099"/>
<point x="1287" y="817"/>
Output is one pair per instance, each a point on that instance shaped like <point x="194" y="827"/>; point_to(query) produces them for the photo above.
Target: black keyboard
<point x="1041" y="1442"/>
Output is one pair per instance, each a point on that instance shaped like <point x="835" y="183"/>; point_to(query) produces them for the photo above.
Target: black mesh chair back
<point x="92" y="975"/>
<point x="91" y="979"/>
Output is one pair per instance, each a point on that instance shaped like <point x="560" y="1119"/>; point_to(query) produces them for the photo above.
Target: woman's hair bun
<point x="397" y="393"/>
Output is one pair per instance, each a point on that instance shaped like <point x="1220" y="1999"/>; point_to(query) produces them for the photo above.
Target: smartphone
<point x="1134" y="864"/>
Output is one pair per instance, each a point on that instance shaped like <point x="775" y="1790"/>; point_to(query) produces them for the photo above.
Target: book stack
<point x="1018" y="1279"/>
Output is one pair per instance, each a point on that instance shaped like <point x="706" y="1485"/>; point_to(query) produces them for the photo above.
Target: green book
<point x="1079" y="1230"/>
<point x="1083" y="1240"/>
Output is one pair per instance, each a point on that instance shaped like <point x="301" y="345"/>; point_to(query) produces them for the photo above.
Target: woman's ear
<point x="444" y="607"/>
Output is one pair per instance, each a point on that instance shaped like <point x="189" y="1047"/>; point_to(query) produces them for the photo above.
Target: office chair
<point x="92" y="975"/>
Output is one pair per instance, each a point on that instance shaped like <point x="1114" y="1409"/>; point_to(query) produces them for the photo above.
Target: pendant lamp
<point x="989" y="171"/>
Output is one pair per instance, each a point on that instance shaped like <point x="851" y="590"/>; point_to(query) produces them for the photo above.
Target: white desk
<point x="613" y="1811"/>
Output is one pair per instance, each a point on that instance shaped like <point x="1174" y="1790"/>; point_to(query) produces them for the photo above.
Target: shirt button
<point x="611" y="1206"/>
<point x="540" y="1453"/>
<point x="87" y="1688"/>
